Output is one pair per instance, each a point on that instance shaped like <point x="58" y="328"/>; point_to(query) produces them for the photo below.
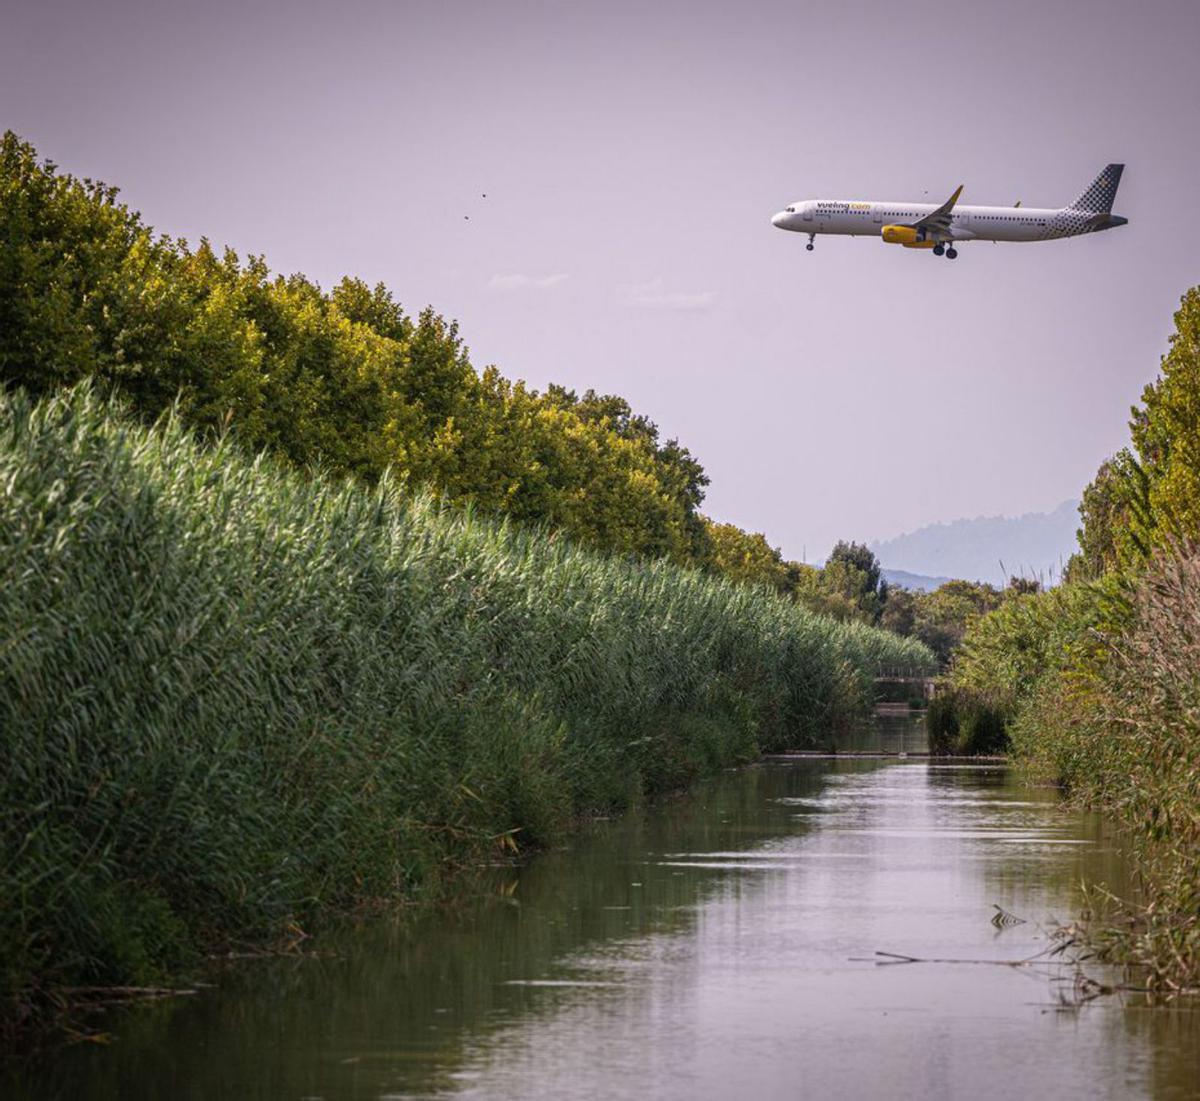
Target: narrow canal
<point x="722" y="945"/>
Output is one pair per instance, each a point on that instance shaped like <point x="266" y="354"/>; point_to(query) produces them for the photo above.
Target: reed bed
<point x="234" y="697"/>
<point x="1120" y="729"/>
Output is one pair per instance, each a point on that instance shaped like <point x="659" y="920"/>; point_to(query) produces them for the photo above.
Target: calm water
<point x="719" y="946"/>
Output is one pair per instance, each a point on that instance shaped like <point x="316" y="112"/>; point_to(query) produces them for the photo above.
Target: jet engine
<point x="906" y="236"/>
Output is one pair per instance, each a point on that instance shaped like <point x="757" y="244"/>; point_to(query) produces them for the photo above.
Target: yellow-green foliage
<point x="234" y="696"/>
<point x="941" y="618"/>
<point x="1005" y="657"/>
<point x="345" y="380"/>
<point x="1166" y="431"/>
<point x="850" y="586"/>
<point x="747" y="557"/>
<point x="1147" y="497"/>
<point x="1006" y="652"/>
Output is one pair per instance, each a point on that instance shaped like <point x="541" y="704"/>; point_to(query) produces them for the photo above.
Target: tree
<point x="1118" y="521"/>
<point x="853" y="577"/>
<point x="1148" y="495"/>
<point x="900" y="612"/>
<point x="860" y="557"/>
<point x="943" y="616"/>
<point x="1166" y="431"/>
<point x="747" y="557"/>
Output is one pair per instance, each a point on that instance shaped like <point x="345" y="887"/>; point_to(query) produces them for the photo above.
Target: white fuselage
<point x="967" y="223"/>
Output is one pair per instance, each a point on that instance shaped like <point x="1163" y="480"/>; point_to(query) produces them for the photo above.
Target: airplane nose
<point x="778" y="220"/>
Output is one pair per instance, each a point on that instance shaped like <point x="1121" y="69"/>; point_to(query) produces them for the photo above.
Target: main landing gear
<point x="811" y="237"/>
<point x="951" y="253"/>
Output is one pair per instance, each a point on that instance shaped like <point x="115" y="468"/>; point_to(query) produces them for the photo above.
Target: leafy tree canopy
<point x="1148" y="495"/>
<point x="347" y="380"/>
<point x="747" y="557"/>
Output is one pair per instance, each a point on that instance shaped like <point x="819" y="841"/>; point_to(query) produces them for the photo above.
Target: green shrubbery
<point x="963" y="725"/>
<point x="234" y="696"/>
<point x="1099" y="681"/>
<point x="1116" y="721"/>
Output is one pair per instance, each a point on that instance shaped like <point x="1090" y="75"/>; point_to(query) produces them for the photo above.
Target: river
<point x="719" y="945"/>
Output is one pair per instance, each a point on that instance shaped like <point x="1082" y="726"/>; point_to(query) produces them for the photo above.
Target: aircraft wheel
<point x="809" y="247"/>
<point x="951" y="254"/>
<point x="938" y="250"/>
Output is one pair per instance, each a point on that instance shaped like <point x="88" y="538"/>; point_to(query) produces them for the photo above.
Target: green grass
<point x="234" y="698"/>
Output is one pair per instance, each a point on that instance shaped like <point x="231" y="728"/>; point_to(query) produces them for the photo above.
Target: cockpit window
<point x="791" y="210"/>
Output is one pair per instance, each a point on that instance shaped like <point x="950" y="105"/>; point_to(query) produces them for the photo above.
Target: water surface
<point x="721" y="945"/>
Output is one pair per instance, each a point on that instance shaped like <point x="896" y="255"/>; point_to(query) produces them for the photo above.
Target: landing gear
<point x="809" y="246"/>
<point x="951" y="253"/>
<point x="938" y="250"/>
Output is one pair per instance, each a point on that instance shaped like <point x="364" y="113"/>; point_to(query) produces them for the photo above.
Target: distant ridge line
<point x="984" y="548"/>
<point x="905" y="579"/>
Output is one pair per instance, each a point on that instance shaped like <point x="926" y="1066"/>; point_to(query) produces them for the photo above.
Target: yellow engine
<point x="906" y="236"/>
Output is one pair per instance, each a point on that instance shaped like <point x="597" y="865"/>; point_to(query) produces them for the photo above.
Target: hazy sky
<point x="633" y="154"/>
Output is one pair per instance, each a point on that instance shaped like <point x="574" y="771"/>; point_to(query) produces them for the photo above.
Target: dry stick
<point x="1037" y="957"/>
<point x="894" y="958"/>
<point x="898" y="958"/>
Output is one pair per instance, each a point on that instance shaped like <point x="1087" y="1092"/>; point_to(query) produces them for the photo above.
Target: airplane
<point x="940" y="228"/>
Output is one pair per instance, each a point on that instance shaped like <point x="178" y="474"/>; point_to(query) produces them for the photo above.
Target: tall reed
<point x="233" y="697"/>
<point x="1118" y="725"/>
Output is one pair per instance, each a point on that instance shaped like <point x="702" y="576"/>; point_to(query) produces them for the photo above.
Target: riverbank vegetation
<point x="1097" y="682"/>
<point x="850" y="587"/>
<point x="236" y="696"/>
<point x="350" y="382"/>
<point x="300" y="610"/>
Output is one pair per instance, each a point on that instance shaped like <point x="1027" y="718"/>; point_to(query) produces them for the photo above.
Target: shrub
<point x="960" y="724"/>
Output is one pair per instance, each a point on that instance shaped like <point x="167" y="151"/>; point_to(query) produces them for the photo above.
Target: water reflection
<point x="895" y="731"/>
<point x="719" y="945"/>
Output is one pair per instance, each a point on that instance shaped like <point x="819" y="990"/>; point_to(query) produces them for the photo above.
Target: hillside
<point x="986" y="548"/>
<point x="918" y="582"/>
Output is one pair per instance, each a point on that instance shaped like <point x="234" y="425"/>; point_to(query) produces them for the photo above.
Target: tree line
<point x="350" y="382"/>
<point x="850" y="587"/>
<point x="345" y="380"/>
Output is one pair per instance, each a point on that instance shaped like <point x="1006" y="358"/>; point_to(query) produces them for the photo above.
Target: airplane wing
<point x="937" y="224"/>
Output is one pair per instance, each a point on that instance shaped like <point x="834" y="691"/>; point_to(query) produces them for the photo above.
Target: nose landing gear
<point x="811" y="237"/>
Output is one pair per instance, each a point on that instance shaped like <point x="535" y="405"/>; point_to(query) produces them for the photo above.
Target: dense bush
<point x="960" y="724"/>
<point x="1121" y="729"/>
<point x="234" y="697"/>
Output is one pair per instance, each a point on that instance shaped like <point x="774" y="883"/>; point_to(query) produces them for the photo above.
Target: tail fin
<point x="1098" y="199"/>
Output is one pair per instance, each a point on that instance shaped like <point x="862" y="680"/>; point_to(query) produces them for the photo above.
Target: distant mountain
<point x="905" y="580"/>
<point x="1036" y="545"/>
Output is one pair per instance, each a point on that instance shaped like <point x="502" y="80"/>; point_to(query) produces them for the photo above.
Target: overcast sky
<point x="633" y="154"/>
